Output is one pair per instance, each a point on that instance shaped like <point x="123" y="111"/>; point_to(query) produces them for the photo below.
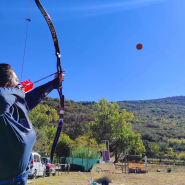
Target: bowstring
<point x="28" y="20"/>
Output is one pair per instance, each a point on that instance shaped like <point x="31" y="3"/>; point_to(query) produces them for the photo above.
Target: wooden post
<point x="58" y="164"/>
<point x="125" y="165"/>
<point x="122" y="167"/>
<point x="69" y="160"/>
<point x="88" y="159"/>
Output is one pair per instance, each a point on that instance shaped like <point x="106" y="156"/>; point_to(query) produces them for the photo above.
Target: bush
<point x="111" y="154"/>
<point x="169" y="170"/>
<point x="81" y="152"/>
<point x="55" y="160"/>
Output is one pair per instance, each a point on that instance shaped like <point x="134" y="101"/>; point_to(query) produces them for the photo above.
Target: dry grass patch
<point x="176" y="177"/>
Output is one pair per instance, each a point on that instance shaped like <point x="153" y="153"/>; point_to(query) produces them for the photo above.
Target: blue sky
<point x="98" y="41"/>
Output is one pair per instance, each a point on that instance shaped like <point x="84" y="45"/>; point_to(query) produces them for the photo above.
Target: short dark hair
<point x="6" y="74"/>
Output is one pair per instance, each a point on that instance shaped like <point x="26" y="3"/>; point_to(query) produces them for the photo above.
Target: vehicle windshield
<point x="45" y="160"/>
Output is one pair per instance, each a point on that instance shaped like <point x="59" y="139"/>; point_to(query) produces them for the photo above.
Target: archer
<point x="17" y="135"/>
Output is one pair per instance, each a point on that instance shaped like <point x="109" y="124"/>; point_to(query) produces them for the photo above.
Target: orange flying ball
<point x="139" y="46"/>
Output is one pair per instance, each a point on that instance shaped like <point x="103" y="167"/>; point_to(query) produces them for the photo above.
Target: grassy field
<point x="176" y="177"/>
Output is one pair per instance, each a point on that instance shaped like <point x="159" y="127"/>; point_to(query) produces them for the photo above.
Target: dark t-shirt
<point x="17" y="135"/>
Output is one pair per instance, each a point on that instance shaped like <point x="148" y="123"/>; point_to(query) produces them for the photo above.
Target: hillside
<point x="156" y="120"/>
<point x="76" y="117"/>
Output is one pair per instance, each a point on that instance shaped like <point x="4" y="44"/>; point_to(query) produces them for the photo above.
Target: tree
<point x="86" y="146"/>
<point x="43" y="115"/>
<point x="49" y="133"/>
<point x="41" y="142"/>
<point x="43" y="119"/>
<point x="115" y="126"/>
<point x="163" y="147"/>
<point x="154" y="147"/>
<point x="76" y="120"/>
<point x="182" y="155"/>
<point x="64" y="145"/>
<point x="174" y="155"/>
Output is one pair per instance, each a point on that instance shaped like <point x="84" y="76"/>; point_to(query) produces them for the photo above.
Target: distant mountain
<point x="156" y="120"/>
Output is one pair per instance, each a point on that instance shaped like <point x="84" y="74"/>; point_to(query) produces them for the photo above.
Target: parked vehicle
<point x="50" y="168"/>
<point x="37" y="168"/>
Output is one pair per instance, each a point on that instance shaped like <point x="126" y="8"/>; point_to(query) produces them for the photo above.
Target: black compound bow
<point x="59" y="71"/>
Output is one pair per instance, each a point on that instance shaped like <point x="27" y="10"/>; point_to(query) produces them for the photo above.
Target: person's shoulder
<point x="5" y="92"/>
<point x="3" y="100"/>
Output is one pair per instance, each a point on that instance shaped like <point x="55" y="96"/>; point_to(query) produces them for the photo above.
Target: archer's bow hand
<point x="61" y="76"/>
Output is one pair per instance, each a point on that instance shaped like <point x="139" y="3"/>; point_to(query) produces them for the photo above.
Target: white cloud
<point x="97" y="9"/>
<point x="117" y="5"/>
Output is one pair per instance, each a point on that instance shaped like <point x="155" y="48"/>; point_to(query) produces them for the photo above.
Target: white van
<point x="37" y="168"/>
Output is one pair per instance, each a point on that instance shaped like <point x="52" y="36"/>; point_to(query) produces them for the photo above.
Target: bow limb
<point x="59" y="71"/>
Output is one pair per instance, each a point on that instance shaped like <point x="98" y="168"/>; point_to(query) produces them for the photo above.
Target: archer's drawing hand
<point x="20" y="87"/>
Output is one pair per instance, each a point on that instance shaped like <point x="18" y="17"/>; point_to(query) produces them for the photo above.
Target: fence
<point x="79" y="164"/>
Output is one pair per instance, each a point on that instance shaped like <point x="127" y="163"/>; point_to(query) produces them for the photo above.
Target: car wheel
<point x="49" y="174"/>
<point x="34" y="176"/>
<point x="54" y="173"/>
<point x="105" y="183"/>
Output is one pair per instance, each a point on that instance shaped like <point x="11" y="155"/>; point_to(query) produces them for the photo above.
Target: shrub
<point x="169" y="170"/>
<point x="81" y="152"/>
<point x="111" y="154"/>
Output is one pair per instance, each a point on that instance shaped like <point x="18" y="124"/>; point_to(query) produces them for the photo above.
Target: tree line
<point x="85" y="128"/>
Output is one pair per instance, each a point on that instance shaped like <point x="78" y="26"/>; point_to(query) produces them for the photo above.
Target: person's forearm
<point x="34" y="97"/>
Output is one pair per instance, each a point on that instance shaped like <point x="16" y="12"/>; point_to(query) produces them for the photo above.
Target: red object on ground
<point x="28" y="85"/>
<point x="139" y="46"/>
